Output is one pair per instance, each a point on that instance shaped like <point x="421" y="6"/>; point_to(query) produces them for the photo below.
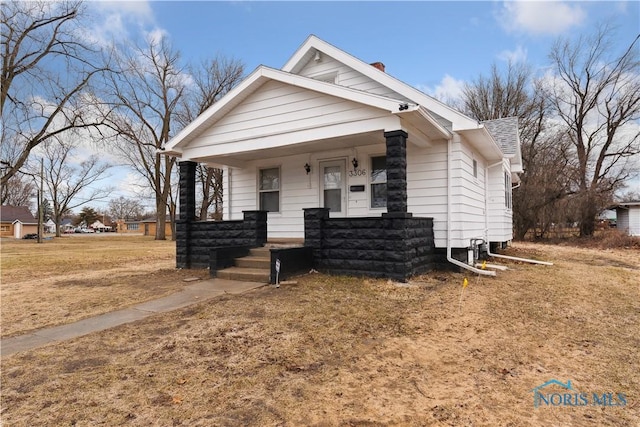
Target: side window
<point x="475" y="168"/>
<point x="507" y="190"/>
<point x="269" y="189"/>
<point x="378" y="182"/>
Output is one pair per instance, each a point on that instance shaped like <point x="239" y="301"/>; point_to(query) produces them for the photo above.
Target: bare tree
<point x="145" y="93"/>
<point x="65" y="181"/>
<point x="212" y="78"/>
<point x="596" y="94"/>
<point x="19" y="190"/>
<point x="46" y="69"/>
<point x="516" y="93"/>
<point x="125" y="208"/>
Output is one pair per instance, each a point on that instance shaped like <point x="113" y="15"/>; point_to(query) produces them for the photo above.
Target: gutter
<point x="449" y="209"/>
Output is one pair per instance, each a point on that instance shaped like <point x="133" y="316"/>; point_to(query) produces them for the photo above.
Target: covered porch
<point x="392" y="244"/>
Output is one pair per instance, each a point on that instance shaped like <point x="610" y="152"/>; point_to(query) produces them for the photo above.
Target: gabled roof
<point x="505" y="133"/>
<point x="263" y="74"/>
<point x="12" y="214"/>
<point x="314" y="44"/>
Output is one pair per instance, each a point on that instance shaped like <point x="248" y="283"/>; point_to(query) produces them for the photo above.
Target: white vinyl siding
<point x="346" y="76"/>
<point x="500" y="217"/>
<point x="278" y="113"/>
<point x="628" y="220"/>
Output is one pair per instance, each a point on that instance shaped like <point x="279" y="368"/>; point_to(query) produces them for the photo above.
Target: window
<point x="133" y="226"/>
<point x="507" y="190"/>
<point x="5" y="228"/>
<point x="379" y="182"/>
<point x="269" y="189"/>
<point x="475" y="168"/>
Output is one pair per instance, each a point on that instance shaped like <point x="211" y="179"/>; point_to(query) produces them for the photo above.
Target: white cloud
<point x="514" y="56"/>
<point x="115" y="21"/>
<point x="449" y="90"/>
<point x="540" y="17"/>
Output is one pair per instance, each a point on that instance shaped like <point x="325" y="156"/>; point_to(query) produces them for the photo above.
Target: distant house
<point x="628" y="218"/>
<point x="149" y="227"/>
<point x="49" y="226"/>
<point x="16" y="221"/>
<point x="146" y="227"/>
<point x="66" y="226"/>
<point x="129" y="226"/>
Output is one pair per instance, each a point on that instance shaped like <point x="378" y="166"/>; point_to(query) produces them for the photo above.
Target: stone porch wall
<point x="396" y="246"/>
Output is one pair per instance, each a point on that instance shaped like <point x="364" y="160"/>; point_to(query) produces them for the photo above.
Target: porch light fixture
<point x="354" y="162"/>
<point x="307" y="168"/>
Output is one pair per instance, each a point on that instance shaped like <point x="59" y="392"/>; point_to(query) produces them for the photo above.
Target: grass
<point x="357" y="352"/>
<point x="73" y="277"/>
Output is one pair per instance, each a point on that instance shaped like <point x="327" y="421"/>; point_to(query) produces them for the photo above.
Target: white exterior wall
<point x="426" y="190"/>
<point x="622" y="220"/>
<point x="346" y="76"/>
<point x="634" y="220"/>
<point x="500" y="218"/>
<point x="468" y="195"/>
<point x="628" y="220"/>
<point x="427" y="186"/>
<point x="298" y="190"/>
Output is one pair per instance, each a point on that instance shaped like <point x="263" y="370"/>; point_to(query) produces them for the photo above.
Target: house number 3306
<point x="358" y="172"/>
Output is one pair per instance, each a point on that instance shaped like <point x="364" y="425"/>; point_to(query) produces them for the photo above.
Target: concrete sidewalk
<point x="191" y="294"/>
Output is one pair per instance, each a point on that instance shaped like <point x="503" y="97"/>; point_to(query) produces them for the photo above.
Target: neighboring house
<point x="66" y="226"/>
<point x="628" y="218"/>
<point x="16" y="221"/>
<point x="149" y="227"/>
<point x="129" y="226"/>
<point x="50" y="226"/>
<point x="330" y="142"/>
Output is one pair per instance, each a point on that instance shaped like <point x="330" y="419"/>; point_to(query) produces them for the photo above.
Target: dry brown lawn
<point x="73" y="277"/>
<point x="336" y="351"/>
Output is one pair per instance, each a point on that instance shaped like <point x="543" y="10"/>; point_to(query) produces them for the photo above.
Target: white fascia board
<point x="382" y="102"/>
<point x="259" y="77"/>
<point x="234" y="96"/>
<point x="482" y="140"/>
<point x="424" y="113"/>
<point x="459" y="120"/>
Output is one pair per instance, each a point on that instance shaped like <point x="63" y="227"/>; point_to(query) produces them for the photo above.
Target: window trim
<point x="279" y="190"/>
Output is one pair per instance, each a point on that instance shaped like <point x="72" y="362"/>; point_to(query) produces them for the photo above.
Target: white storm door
<point x="332" y="187"/>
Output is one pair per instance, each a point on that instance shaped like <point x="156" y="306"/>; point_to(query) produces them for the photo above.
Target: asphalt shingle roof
<point x="505" y="132"/>
<point x="10" y="213"/>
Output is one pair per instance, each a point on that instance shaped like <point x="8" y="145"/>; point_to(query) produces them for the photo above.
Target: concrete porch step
<point x="254" y="262"/>
<point x="245" y="274"/>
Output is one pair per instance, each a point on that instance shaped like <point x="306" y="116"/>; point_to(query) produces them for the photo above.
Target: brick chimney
<point x="378" y="65"/>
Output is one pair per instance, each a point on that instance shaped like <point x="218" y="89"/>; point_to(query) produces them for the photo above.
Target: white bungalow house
<point x="330" y="131"/>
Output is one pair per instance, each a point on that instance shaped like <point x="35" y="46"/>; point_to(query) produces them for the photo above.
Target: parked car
<point x="88" y="230"/>
<point x="30" y="236"/>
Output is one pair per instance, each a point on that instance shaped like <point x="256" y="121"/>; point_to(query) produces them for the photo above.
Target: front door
<point x="332" y="187"/>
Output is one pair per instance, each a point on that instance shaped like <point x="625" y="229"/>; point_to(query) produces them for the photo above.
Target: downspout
<point x="486" y="218"/>
<point x="486" y="200"/>
<point x="449" y="209"/>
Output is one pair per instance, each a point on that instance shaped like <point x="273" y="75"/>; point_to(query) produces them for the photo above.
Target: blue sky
<point x="434" y="46"/>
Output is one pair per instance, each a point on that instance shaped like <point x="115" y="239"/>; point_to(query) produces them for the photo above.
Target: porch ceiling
<point x="240" y="159"/>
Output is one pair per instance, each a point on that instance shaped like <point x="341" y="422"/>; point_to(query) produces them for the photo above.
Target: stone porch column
<point x="396" y="171"/>
<point x="187" y="212"/>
